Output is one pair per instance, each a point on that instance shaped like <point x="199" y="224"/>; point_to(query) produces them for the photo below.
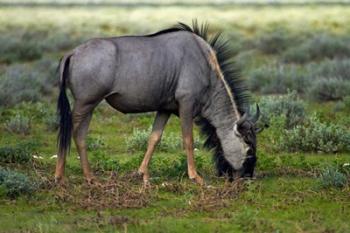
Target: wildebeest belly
<point x="141" y="102"/>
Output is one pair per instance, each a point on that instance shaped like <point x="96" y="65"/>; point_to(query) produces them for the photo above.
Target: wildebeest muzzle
<point x="248" y="166"/>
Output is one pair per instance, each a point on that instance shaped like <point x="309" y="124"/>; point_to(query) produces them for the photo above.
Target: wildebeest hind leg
<point x="155" y="137"/>
<point x="82" y="114"/>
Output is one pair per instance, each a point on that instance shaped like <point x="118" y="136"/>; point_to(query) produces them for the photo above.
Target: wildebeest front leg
<point x="186" y="117"/>
<point x="155" y="137"/>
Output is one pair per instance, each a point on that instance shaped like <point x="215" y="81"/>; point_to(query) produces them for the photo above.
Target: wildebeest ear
<point x="260" y="129"/>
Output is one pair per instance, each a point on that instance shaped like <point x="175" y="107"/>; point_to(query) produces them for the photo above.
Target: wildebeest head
<point x="246" y="129"/>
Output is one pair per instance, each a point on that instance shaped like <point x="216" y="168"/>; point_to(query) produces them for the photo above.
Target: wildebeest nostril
<point x="249" y="153"/>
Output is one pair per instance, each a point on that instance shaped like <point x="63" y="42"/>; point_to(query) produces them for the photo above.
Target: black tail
<point x="63" y="110"/>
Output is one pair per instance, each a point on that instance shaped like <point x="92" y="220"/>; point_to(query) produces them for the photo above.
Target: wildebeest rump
<point x="175" y="71"/>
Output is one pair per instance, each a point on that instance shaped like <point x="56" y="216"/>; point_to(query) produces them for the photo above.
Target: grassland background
<point x="271" y="43"/>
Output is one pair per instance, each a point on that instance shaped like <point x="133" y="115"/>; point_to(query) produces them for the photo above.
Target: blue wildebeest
<point x="175" y="71"/>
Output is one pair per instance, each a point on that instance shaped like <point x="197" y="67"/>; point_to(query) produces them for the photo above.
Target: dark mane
<point x="232" y="76"/>
<point x="224" y="54"/>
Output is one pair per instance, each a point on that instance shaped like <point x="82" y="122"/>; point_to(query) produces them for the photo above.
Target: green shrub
<point x="138" y="140"/>
<point x="27" y="44"/>
<point x="14" y="184"/>
<point x="289" y="107"/>
<point x="19" y="125"/>
<point x="332" y="177"/>
<point x="36" y="111"/>
<point x="51" y="122"/>
<point x="19" y="47"/>
<point x="277" y="79"/>
<point x="104" y="162"/>
<point x="171" y="142"/>
<point x="324" y="89"/>
<point x="16" y="154"/>
<point x="346" y="102"/>
<point x="325" y="81"/>
<point x="24" y="83"/>
<point x="275" y="42"/>
<point x="173" y="167"/>
<point x="19" y="153"/>
<point x="18" y="84"/>
<point x="318" y="47"/>
<point x="94" y="143"/>
<point x="48" y="76"/>
<point x="132" y="163"/>
<point x="315" y="136"/>
<point x="330" y="80"/>
<point x="296" y="55"/>
<point x="337" y="68"/>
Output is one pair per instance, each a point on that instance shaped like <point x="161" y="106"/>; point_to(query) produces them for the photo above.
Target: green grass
<point x="286" y="204"/>
<point x="285" y="197"/>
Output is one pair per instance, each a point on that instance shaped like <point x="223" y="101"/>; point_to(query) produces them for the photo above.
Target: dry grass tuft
<point x="114" y="191"/>
<point x="211" y="198"/>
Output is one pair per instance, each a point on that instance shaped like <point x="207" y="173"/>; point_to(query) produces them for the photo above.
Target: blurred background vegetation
<point x="294" y="55"/>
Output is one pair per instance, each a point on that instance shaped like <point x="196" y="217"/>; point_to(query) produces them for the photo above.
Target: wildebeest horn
<point x="257" y="114"/>
<point x="242" y="119"/>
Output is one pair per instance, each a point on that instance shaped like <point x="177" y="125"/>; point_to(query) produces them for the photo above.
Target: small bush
<point x="24" y="83"/>
<point x="104" y="162"/>
<point x="296" y="55"/>
<point x="332" y="177"/>
<point x="18" y="125"/>
<point x="318" y="47"/>
<point x="14" y="184"/>
<point x="289" y="106"/>
<point x="346" y="102"/>
<point x="169" y="142"/>
<point x="48" y="76"/>
<point x="18" y="84"/>
<point x="51" y="122"/>
<point x="277" y="80"/>
<point x="338" y="68"/>
<point x="18" y="48"/>
<point x="138" y="140"/>
<point x="21" y="153"/>
<point x="315" y="136"/>
<point x="324" y="89"/>
<point x="94" y="143"/>
<point x="275" y="41"/>
<point x="27" y="44"/>
<point x="37" y="111"/>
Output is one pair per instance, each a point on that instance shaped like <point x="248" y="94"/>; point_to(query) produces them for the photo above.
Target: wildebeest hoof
<point x="137" y="174"/>
<point x="59" y="180"/>
<point x="92" y="181"/>
<point x="198" y="180"/>
<point x="146" y="184"/>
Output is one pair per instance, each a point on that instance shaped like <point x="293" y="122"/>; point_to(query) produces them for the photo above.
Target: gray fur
<point x="156" y="73"/>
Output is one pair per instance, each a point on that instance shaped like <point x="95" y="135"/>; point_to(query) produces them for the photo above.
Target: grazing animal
<point x="175" y="71"/>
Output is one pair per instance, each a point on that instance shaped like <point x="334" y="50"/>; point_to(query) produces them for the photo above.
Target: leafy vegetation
<point x="316" y="136"/>
<point x="320" y="46"/>
<point x="20" y="153"/>
<point x="19" y="125"/>
<point x="332" y="177"/>
<point x="289" y="107"/>
<point x="13" y="184"/>
<point x="296" y="61"/>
